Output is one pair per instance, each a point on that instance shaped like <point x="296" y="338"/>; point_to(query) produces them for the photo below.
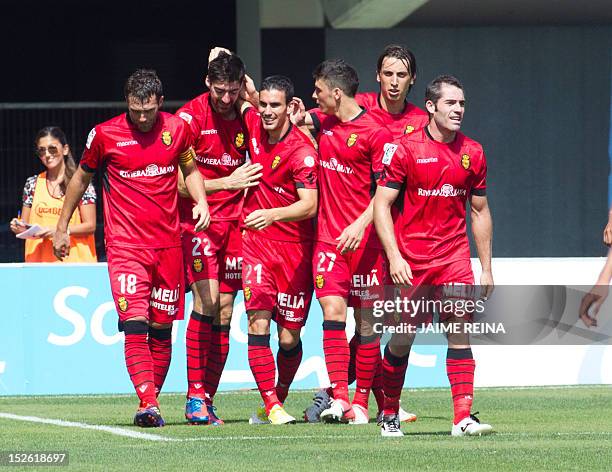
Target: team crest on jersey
<point x="352" y="139"/>
<point x="276" y="162"/>
<point x="197" y="265"/>
<point x="247" y="293"/>
<point x="409" y="129"/>
<point x="166" y="138"/>
<point x="239" y="140"/>
<point x="123" y="304"/>
<point x="319" y="281"/>
<point x="465" y="161"/>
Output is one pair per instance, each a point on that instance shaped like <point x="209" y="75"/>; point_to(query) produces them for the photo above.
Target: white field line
<point x="72" y="424"/>
<point x="155" y="437"/>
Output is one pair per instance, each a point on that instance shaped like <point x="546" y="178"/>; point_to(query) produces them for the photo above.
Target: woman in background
<point x="43" y="197"/>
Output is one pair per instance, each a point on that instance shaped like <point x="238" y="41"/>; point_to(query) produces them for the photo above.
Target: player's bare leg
<point x="288" y="359"/>
<point x="336" y="349"/>
<point x="263" y="368"/>
<point x="217" y="355"/>
<point x="460" y="366"/>
<point x="205" y="307"/>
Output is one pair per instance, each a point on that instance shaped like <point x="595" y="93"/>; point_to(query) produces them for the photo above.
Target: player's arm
<point x="75" y="190"/>
<point x="88" y="220"/>
<point x="398" y="267"/>
<point x="195" y="186"/>
<point x="303" y="209"/>
<point x="352" y="235"/>
<point x="592" y="301"/>
<point x="299" y="116"/>
<point x="245" y="176"/>
<point x="607" y="235"/>
<point x="482" y="229"/>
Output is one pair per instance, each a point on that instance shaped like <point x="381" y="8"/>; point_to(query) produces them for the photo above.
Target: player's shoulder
<point x="194" y="108"/>
<point x="417" y="137"/>
<point x="413" y="110"/>
<point x="168" y="120"/>
<point x="469" y="145"/>
<point x="367" y="99"/>
<point x="299" y="141"/>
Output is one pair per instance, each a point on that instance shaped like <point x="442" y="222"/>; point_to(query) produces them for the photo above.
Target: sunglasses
<point x="42" y="151"/>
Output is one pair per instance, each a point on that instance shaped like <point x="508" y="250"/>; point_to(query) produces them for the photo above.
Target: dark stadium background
<point x="538" y="83"/>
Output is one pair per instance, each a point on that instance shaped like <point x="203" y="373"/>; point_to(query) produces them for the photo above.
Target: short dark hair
<point x="226" y="68"/>
<point x="143" y="84"/>
<point x="281" y="83"/>
<point x="433" y="91"/>
<point x="338" y="73"/>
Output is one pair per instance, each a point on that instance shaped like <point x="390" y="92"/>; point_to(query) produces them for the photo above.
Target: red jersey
<point x="437" y="179"/>
<point x="410" y="119"/>
<point x="288" y="165"/>
<point x="220" y="147"/>
<point x="139" y="179"/>
<point x="350" y="158"/>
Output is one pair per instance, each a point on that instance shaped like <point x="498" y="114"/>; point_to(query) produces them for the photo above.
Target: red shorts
<point x="448" y="290"/>
<point x="276" y="277"/>
<point x="147" y="282"/>
<point x="358" y="276"/>
<point x="213" y="254"/>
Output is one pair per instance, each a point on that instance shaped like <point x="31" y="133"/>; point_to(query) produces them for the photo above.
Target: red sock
<point x="353" y="350"/>
<point x="377" y="384"/>
<point x="460" y="368"/>
<point x="197" y="342"/>
<point x="217" y="356"/>
<point x="288" y="363"/>
<point x="394" y="372"/>
<point x="139" y="362"/>
<point x="160" y="345"/>
<point x="262" y="366"/>
<point x="366" y="358"/>
<point x="336" y="349"/>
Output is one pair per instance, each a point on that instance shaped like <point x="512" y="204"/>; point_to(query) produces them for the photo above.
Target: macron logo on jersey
<point x="334" y="165"/>
<point x="447" y="190"/>
<point x="327" y="132"/>
<point x="208" y="131"/>
<point x="126" y="143"/>
<point x="151" y="171"/>
<point x="426" y="160"/>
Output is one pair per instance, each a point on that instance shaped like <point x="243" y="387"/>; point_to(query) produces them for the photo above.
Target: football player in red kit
<point x="438" y="169"/>
<point x="139" y="153"/>
<point x="213" y="258"/>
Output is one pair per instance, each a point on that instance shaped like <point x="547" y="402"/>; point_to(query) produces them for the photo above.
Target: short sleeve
<point x="89" y="197"/>
<point x="395" y="161"/>
<point x="187" y="115"/>
<point x="250" y="117"/>
<point x="184" y="142"/>
<point x="381" y="143"/>
<point x="317" y="117"/>
<point x="305" y="167"/>
<point x="479" y="188"/>
<point x="28" y="191"/>
<point x="93" y="154"/>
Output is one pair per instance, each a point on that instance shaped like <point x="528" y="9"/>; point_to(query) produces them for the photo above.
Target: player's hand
<point x="591" y="303"/>
<point x="245" y="176"/>
<point x="201" y="213"/>
<point x="214" y="53"/>
<point x="17" y="226"/>
<point x="61" y="244"/>
<point x="46" y="232"/>
<point x="607" y="234"/>
<point x="400" y="271"/>
<point x="297" y="111"/>
<point x="351" y="237"/>
<point x="486" y="284"/>
<point x="259" y="219"/>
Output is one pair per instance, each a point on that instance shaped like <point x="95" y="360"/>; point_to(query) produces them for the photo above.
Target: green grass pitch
<point x="565" y="428"/>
